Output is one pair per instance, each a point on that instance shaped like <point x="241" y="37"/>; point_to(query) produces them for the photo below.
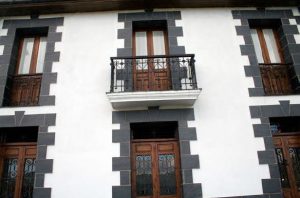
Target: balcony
<point x="24" y="90"/>
<point x="144" y="81"/>
<point x="277" y="79"/>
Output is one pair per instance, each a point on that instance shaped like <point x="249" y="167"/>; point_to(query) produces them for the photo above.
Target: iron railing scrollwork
<point x="153" y="73"/>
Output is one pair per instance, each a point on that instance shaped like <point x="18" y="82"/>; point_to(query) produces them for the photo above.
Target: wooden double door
<point x="151" y="73"/>
<point x="17" y="169"/>
<point x="287" y="149"/>
<point x="156" y="170"/>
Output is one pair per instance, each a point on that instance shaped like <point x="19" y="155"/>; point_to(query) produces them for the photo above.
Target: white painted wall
<point x="222" y="111"/>
<point x="83" y="150"/>
<point x="223" y="121"/>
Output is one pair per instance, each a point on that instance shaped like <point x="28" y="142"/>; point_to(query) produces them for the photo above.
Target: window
<point x="17" y="161"/>
<point x="151" y="73"/>
<point x="155" y="160"/>
<point x="274" y="71"/>
<point x="25" y="85"/>
<point x="31" y="55"/>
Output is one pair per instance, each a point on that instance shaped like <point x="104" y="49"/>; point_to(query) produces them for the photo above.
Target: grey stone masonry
<point x="272" y="186"/>
<point x="186" y="134"/>
<point x="291" y="50"/>
<point x="46" y="26"/>
<point x="43" y="165"/>
<point x="153" y="18"/>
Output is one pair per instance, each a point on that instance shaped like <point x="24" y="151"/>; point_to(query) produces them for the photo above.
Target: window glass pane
<point x="282" y="168"/>
<point x="295" y="155"/>
<point x="167" y="175"/>
<point x="159" y="49"/>
<point x="26" y="54"/>
<point x="158" y="43"/>
<point x="8" y="179"/>
<point x="28" y="178"/>
<point x="271" y="45"/>
<point x="140" y="43"/>
<point x="257" y="46"/>
<point x="143" y="175"/>
<point x="41" y="55"/>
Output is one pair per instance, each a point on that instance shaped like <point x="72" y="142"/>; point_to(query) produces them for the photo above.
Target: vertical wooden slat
<point x="34" y="56"/>
<point x="19" y="56"/>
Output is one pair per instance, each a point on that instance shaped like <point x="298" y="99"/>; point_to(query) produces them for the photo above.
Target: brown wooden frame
<point x="25" y="88"/>
<point x="150" y="52"/>
<point x="154" y="144"/>
<point x="19" y="151"/>
<point x="34" y="56"/>
<point x="264" y="48"/>
<point x="285" y="141"/>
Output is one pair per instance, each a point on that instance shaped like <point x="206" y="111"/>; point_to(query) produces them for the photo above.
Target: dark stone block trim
<point x="287" y="31"/>
<point x="271" y="187"/>
<point x="122" y="136"/>
<point x="173" y="30"/>
<point x="10" y="45"/>
<point x="165" y="19"/>
<point x="43" y="165"/>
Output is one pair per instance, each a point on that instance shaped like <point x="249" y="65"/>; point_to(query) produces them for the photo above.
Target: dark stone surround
<point x="173" y="30"/>
<point x="20" y="119"/>
<point x="45" y="138"/>
<point x="7" y="66"/>
<point x="186" y="134"/>
<point x="164" y="20"/>
<point x="271" y="186"/>
<point x="291" y="50"/>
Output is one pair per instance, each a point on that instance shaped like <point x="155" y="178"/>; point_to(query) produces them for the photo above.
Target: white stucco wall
<point x="83" y="148"/>
<point x="226" y="144"/>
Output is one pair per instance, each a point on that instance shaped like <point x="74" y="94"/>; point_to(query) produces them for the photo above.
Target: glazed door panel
<point x="156" y="170"/>
<point x="150" y="74"/>
<point x="287" y="149"/>
<point x="17" y="168"/>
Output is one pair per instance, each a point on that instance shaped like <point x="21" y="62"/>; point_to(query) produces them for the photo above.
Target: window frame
<point x="34" y="54"/>
<point x="149" y="73"/>
<point x="150" y="44"/>
<point x="263" y="44"/>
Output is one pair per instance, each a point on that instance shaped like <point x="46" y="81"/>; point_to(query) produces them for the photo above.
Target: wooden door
<point x="150" y="74"/>
<point x="156" y="170"/>
<point x="287" y="148"/>
<point x="17" y="168"/>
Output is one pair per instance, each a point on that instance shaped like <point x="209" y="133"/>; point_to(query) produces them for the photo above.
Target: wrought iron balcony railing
<point x="153" y="73"/>
<point x="25" y="90"/>
<point x="276" y="79"/>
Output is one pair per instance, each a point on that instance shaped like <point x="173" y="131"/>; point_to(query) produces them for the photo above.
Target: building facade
<point x="132" y="99"/>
